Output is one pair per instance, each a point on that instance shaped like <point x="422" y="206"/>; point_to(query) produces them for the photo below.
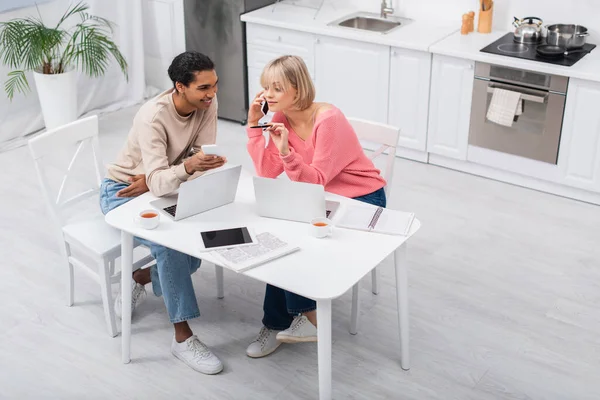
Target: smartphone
<point x="264" y="108"/>
<point x="212" y="150"/>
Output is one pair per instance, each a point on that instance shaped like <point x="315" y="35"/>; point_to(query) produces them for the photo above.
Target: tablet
<point x="225" y="238"/>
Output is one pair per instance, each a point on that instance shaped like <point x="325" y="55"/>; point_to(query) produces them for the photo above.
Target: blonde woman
<point x="314" y="143"/>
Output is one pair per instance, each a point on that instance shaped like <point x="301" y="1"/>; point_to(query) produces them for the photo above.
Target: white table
<point x="323" y="269"/>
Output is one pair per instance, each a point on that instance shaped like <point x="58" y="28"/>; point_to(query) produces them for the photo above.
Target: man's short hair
<point x="184" y="67"/>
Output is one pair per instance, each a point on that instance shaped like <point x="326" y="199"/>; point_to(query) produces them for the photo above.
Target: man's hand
<point x="201" y="162"/>
<point x="138" y="186"/>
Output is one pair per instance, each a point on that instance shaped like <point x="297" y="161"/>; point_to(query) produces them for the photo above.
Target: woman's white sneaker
<point x="138" y="295"/>
<point x="301" y="330"/>
<point x="196" y="355"/>
<point x="265" y="343"/>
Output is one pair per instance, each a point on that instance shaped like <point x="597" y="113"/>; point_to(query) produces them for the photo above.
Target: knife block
<point x="484" y="24"/>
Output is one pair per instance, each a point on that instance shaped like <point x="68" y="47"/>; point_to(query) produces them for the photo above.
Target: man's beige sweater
<point x="160" y="140"/>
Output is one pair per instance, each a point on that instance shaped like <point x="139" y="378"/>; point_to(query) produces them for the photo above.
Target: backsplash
<point x="582" y="12"/>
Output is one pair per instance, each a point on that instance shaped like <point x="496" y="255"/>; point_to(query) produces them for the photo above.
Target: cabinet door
<point x="265" y="43"/>
<point x="450" y="106"/>
<point x="253" y="82"/>
<point x="353" y="76"/>
<point x="409" y="96"/>
<point x="579" y="152"/>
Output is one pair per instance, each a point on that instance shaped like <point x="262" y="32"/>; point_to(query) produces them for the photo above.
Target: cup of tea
<point x="321" y="227"/>
<point x="148" y="219"/>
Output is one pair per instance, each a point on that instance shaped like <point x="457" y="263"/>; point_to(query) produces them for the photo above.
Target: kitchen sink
<point x="370" y="22"/>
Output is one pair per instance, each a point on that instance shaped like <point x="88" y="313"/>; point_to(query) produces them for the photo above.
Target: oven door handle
<point x="524" y="96"/>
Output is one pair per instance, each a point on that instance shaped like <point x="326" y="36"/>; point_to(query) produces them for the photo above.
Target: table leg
<point x="402" y="297"/>
<point x="126" y="271"/>
<point x="324" y="348"/>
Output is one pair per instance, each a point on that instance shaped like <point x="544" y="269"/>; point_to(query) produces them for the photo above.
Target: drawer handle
<point x="279" y="38"/>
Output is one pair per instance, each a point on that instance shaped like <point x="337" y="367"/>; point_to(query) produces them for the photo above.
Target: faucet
<point x="385" y="10"/>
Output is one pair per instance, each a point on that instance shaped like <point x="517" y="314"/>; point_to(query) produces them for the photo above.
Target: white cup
<point x="148" y="219"/>
<point x="321" y="227"/>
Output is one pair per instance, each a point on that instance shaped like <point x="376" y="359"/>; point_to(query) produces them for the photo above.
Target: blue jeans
<point x="280" y="306"/>
<point x="171" y="276"/>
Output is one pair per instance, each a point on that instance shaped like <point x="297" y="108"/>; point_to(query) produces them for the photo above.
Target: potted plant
<point x="54" y="54"/>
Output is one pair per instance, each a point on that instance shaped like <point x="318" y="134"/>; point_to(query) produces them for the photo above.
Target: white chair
<point x="98" y="243"/>
<point x="386" y="137"/>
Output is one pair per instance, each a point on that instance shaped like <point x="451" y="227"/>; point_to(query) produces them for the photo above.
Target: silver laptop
<point x="214" y="189"/>
<point x="294" y="201"/>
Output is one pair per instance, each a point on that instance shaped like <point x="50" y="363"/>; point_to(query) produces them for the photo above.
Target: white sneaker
<point x="138" y="295"/>
<point x="196" y="355"/>
<point x="264" y="344"/>
<point x="301" y="330"/>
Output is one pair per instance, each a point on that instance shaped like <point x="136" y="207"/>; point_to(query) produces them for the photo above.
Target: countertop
<point x="468" y="46"/>
<point x="417" y="35"/>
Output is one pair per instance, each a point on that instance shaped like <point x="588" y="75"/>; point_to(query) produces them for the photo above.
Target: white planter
<point x="58" y="97"/>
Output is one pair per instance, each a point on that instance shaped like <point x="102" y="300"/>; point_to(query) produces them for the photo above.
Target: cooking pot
<point x="567" y="36"/>
<point x="527" y="30"/>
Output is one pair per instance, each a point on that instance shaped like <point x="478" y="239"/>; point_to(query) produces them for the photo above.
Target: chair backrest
<point x="78" y="134"/>
<point x="386" y="136"/>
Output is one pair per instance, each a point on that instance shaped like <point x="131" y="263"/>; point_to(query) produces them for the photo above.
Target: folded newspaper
<point x="268" y="248"/>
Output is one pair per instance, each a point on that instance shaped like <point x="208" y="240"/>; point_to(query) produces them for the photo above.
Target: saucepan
<point x="552" y="51"/>
<point x="568" y="36"/>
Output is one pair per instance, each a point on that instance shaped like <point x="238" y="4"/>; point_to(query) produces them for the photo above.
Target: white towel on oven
<point x="504" y="106"/>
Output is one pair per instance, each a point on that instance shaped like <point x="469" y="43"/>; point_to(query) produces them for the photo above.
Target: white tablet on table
<point x="227" y="238"/>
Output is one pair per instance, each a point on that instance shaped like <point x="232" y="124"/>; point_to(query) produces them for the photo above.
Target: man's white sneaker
<point x="264" y="344"/>
<point x="138" y="295"/>
<point x="196" y="355"/>
<point x="301" y="330"/>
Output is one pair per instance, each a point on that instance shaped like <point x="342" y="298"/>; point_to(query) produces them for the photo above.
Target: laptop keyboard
<point x="171" y="209"/>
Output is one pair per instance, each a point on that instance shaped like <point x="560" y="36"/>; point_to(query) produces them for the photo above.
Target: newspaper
<point x="269" y="247"/>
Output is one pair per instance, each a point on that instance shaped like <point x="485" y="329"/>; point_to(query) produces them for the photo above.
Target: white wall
<point x="582" y="12"/>
<point x="23" y="115"/>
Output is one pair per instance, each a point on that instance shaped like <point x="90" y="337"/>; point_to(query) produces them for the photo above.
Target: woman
<point x="314" y="143"/>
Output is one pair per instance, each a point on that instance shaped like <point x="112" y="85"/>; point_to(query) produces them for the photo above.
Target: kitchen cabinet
<point x="266" y="43"/>
<point x="353" y="76"/>
<point x="409" y="96"/>
<point x="450" y="106"/>
<point x="579" y="152"/>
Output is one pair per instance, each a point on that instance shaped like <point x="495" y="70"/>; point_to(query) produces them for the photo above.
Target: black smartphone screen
<point x="226" y="237"/>
<point x="265" y="107"/>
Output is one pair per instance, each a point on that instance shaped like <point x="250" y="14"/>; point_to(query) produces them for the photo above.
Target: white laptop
<point x="294" y="201"/>
<point x="211" y="190"/>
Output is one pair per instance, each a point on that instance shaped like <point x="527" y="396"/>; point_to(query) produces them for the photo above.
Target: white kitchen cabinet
<point x="265" y="43"/>
<point x="353" y="76"/>
<point x="579" y="152"/>
<point x="450" y="106"/>
<point x="409" y="96"/>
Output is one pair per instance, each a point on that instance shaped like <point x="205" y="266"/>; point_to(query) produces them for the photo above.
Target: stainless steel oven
<point x="535" y="133"/>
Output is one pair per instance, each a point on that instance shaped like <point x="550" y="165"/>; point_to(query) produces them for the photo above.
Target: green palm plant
<point x="27" y="44"/>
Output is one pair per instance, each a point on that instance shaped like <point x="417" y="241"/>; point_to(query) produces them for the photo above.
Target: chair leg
<point x="107" y="299"/>
<point x="354" y="313"/>
<point x="375" y="281"/>
<point x="220" y="289"/>
<point x="70" y="277"/>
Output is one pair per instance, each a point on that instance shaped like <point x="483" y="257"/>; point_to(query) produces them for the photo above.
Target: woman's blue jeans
<point x="280" y="306"/>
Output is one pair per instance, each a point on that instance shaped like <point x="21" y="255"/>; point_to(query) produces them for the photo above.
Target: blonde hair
<point x="290" y="71"/>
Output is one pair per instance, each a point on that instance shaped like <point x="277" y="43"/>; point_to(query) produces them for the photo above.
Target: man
<point x="158" y="156"/>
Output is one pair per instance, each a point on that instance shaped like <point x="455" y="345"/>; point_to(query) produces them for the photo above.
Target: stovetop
<point x="505" y="46"/>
